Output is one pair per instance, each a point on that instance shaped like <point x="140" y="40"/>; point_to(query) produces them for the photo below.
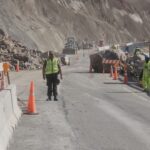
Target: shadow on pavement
<point x="133" y="84"/>
<point x="124" y="92"/>
<point x="82" y="72"/>
<point x="112" y="83"/>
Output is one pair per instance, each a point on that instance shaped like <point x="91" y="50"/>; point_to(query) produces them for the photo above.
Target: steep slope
<point x="45" y="24"/>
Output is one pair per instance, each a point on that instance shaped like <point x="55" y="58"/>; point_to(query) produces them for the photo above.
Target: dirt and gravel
<point x="15" y="53"/>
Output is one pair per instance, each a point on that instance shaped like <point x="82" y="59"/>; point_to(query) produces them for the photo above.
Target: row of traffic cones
<point x="115" y="75"/>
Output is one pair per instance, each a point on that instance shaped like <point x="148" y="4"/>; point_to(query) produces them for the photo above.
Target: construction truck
<point x="71" y="46"/>
<point x="96" y="60"/>
<point x="65" y="59"/>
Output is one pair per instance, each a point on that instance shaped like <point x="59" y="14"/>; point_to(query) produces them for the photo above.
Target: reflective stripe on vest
<point x="52" y="66"/>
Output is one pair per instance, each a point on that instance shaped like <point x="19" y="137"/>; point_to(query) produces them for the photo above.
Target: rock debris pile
<point x="14" y="52"/>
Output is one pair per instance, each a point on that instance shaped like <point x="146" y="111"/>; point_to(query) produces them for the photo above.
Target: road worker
<point x="145" y="74"/>
<point x="51" y="69"/>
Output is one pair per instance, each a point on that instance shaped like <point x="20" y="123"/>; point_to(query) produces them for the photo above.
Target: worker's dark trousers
<point x="52" y="84"/>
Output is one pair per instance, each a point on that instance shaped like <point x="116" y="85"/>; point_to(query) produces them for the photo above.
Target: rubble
<point x="14" y="52"/>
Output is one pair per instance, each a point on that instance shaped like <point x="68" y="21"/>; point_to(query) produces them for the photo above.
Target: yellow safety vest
<point x="145" y="71"/>
<point x="52" y="66"/>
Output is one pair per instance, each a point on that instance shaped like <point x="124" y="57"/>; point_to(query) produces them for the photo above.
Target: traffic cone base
<point x="28" y="113"/>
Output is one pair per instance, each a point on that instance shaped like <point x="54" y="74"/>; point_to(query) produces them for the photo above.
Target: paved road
<point x="94" y="112"/>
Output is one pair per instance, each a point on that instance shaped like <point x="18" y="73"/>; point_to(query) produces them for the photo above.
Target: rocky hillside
<point x="45" y="24"/>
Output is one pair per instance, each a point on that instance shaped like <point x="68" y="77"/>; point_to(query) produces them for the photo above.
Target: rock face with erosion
<point x="45" y="24"/>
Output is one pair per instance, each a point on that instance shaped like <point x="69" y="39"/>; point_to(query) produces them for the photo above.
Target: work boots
<point x="55" y="98"/>
<point x="48" y="99"/>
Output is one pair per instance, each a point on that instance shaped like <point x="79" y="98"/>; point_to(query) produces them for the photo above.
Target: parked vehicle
<point x="65" y="59"/>
<point x="71" y="46"/>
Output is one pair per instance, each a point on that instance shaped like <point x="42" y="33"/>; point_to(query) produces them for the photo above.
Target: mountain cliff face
<point x="45" y="24"/>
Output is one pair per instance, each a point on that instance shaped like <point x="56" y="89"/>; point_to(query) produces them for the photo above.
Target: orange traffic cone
<point x="17" y="68"/>
<point x="115" y="72"/>
<point x="31" y="109"/>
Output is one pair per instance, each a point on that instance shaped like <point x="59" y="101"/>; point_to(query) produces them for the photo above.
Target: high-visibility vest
<point x="52" y="66"/>
<point x="145" y="70"/>
<point x="145" y="75"/>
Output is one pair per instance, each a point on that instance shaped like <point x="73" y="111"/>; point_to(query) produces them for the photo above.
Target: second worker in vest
<point x="145" y="74"/>
<point x="51" y="69"/>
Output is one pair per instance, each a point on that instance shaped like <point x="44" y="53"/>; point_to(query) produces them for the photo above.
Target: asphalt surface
<point x="94" y="112"/>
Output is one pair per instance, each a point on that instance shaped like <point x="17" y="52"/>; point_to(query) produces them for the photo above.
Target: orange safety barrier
<point x="31" y="109"/>
<point x="5" y="68"/>
<point x="115" y="77"/>
<point x="112" y="62"/>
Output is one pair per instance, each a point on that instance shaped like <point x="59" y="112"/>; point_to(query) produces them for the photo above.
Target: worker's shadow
<point x="112" y="83"/>
<point x="81" y="72"/>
